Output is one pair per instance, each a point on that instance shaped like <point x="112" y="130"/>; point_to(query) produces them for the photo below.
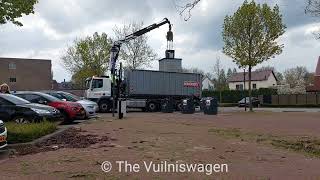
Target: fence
<point x="293" y="100"/>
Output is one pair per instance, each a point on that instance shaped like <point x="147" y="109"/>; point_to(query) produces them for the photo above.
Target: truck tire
<point x="152" y="107"/>
<point x="104" y="106"/>
<point x="179" y="106"/>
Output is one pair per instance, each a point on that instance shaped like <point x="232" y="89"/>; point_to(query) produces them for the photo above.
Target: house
<point x="26" y="74"/>
<point x="316" y="85"/>
<point x="259" y="79"/>
<point x="207" y="84"/>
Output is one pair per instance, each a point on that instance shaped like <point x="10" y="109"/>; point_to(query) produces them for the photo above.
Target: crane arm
<point x="146" y="30"/>
<point x="117" y="44"/>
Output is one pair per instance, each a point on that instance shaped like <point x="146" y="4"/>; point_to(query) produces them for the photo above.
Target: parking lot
<point x="229" y="138"/>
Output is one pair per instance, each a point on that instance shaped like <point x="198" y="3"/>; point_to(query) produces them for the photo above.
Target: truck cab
<point x="98" y="89"/>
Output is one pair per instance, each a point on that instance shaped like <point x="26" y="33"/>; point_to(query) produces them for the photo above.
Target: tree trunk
<point x="250" y="99"/>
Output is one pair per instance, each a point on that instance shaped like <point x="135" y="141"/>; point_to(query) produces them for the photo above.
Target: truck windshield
<point x="97" y="83"/>
<point x="88" y="83"/>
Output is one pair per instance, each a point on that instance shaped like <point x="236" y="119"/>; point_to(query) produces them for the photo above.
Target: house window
<point x="254" y="86"/>
<point x="239" y="87"/>
<point x="13" y="80"/>
<point x="12" y="66"/>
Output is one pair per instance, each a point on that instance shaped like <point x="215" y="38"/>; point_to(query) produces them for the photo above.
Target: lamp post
<point x="244" y="89"/>
<point x="113" y="58"/>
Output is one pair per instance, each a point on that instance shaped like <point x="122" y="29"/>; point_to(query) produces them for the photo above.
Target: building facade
<point x="259" y="79"/>
<point x="26" y="74"/>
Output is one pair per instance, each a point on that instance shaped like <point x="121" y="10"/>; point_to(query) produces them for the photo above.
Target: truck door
<point x="100" y="87"/>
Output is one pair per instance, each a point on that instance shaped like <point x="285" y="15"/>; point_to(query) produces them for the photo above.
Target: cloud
<point x="198" y="41"/>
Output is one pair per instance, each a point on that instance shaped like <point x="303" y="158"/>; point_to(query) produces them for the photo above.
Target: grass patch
<point x="22" y="133"/>
<point x="306" y="145"/>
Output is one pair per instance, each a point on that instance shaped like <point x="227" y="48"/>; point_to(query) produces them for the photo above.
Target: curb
<point x="44" y="138"/>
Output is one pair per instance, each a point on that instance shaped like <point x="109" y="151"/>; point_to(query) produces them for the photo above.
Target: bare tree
<point x="135" y="53"/>
<point x="185" y="10"/>
<point x="313" y="8"/>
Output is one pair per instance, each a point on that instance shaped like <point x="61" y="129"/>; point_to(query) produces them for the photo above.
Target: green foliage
<point x="21" y="133"/>
<point x="250" y="34"/>
<point x="233" y="96"/>
<point x="88" y="57"/>
<point x="12" y="9"/>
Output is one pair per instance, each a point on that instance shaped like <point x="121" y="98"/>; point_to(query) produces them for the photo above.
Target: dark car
<point x="13" y="108"/>
<point x="69" y="110"/>
<point x="245" y="102"/>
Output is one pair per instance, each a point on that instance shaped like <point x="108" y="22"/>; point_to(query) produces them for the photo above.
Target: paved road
<point x="237" y="109"/>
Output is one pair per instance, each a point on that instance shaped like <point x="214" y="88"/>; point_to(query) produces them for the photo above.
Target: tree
<point x="87" y="57"/>
<point x="295" y="81"/>
<point x="313" y="9"/>
<point x="250" y="35"/>
<point x="12" y="9"/>
<point x="234" y="71"/>
<point x="135" y="53"/>
<point x="229" y="73"/>
<point x="217" y="74"/>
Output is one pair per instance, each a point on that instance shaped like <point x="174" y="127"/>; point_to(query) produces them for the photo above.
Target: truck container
<point x="146" y="83"/>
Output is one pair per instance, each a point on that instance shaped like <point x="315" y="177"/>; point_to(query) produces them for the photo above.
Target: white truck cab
<point x="99" y="89"/>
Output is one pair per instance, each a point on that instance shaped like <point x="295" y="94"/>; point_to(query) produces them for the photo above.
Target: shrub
<point x="21" y="133"/>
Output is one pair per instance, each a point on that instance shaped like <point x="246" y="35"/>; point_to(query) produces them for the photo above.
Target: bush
<point x="22" y="133"/>
<point x="233" y="96"/>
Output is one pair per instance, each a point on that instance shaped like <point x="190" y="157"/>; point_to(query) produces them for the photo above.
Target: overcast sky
<point x="55" y="25"/>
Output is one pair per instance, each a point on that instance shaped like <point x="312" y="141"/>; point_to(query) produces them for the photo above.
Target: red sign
<point x="191" y="84"/>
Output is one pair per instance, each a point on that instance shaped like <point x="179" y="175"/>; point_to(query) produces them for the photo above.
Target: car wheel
<point x="21" y="120"/>
<point x="152" y="107"/>
<point x="104" y="106"/>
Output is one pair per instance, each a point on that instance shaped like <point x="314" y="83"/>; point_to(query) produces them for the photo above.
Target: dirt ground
<point x="178" y="138"/>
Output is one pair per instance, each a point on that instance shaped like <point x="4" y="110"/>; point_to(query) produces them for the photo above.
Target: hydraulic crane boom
<point x="117" y="44"/>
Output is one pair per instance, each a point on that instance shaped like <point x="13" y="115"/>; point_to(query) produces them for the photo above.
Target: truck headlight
<point x="40" y="111"/>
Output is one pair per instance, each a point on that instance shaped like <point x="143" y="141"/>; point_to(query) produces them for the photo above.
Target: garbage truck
<point x="145" y="89"/>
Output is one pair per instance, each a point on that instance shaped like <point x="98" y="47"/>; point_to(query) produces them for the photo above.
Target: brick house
<point x="26" y="74"/>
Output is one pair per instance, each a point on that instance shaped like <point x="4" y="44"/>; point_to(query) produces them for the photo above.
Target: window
<point x="13" y="80"/>
<point x="254" y="86"/>
<point x="12" y="66"/>
<point x="4" y="102"/>
<point x="97" y="83"/>
<point x="239" y="86"/>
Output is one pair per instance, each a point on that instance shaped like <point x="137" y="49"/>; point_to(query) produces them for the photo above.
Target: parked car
<point x="245" y="102"/>
<point x="3" y="135"/>
<point x="13" y="108"/>
<point x="90" y="107"/>
<point x="69" y="110"/>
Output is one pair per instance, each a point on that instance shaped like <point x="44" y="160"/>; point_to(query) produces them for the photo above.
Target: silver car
<point x="90" y="107"/>
<point x="3" y="135"/>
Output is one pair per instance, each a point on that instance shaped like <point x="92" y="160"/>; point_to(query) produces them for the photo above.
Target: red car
<point x="69" y="110"/>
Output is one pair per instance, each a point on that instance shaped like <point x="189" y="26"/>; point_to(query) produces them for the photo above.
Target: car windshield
<point x="70" y="97"/>
<point x="15" y="100"/>
<point x="49" y="97"/>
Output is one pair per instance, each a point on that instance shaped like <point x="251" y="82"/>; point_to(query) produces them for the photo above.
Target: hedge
<point x="233" y="96"/>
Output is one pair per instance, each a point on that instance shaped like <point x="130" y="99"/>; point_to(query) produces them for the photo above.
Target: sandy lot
<point x="179" y="139"/>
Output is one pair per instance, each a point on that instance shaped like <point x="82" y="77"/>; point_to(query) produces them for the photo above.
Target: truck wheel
<point x="104" y="106"/>
<point x="152" y="107"/>
<point x="179" y="106"/>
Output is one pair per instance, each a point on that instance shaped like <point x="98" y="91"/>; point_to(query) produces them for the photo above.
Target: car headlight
<point x="40" y="111"/>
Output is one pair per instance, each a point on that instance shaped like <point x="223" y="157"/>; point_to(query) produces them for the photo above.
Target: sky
<point x="56" y="24"/>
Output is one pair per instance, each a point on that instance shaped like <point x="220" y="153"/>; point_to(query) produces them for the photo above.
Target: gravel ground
<point x="175" y="138"/>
